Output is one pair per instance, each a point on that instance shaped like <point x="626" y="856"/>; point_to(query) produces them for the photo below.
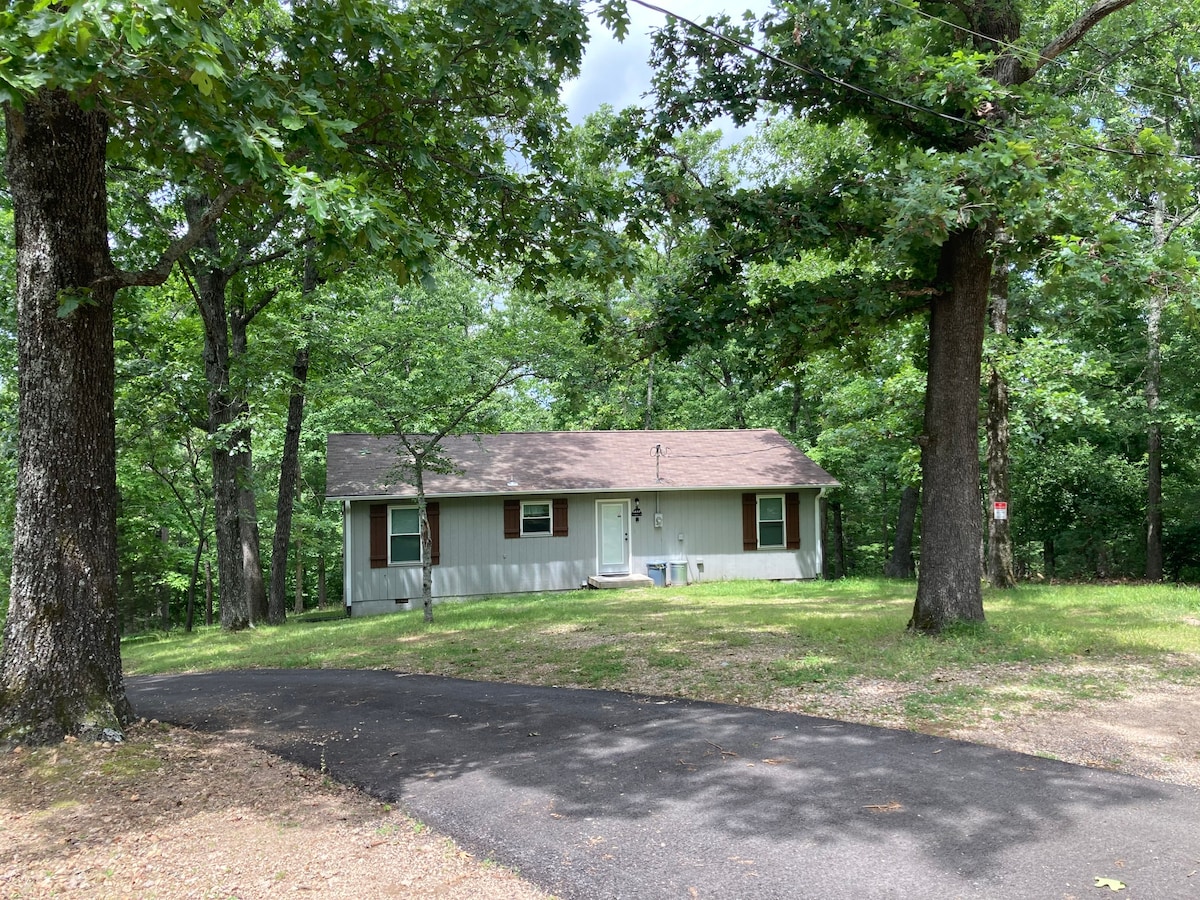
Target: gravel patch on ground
<point x="175" y="814"/>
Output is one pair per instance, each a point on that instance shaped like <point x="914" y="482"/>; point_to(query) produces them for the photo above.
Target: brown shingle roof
<point x="361" y="465"/>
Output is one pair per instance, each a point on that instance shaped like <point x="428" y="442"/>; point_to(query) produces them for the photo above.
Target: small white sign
<point x="1000" y="510"/>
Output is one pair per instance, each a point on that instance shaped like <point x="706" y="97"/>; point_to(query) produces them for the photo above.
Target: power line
<point x="1018" y="50"/>
<point x="847" y="85"/>
<point x="807" y="70"/>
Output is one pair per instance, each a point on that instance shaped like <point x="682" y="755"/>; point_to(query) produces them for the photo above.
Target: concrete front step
<point x="620" y="581"/>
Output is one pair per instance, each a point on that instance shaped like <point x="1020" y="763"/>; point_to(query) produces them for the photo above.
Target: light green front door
<point x="612" y="528"/>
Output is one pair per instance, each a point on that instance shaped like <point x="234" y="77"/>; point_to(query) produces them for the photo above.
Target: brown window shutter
<point x="749" y="521"/>
<point x="560" y="517"/>
<point x="379" y="536"/>
<point x="512" y="518"/>
<point x="433" y="512"/>
<point x="791" y="519"/>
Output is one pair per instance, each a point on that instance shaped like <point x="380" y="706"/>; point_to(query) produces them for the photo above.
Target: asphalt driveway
<point x="596" y="794"/>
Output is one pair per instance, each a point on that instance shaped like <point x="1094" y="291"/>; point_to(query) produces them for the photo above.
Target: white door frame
<point x="609" y="513"/>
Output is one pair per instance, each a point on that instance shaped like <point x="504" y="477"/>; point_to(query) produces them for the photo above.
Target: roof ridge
<point x="631" y="431"/>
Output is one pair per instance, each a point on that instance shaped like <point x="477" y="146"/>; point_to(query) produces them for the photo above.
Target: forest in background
<point x="1092" y="329"/>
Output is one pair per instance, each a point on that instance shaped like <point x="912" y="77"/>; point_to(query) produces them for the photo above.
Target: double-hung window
<point x="404" y="535"/>
<point x="771" y="530"/>
<point x="771" y="521"/>
<point x="535" y="517"/>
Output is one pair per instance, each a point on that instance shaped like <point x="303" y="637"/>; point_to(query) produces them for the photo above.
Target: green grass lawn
<point x="758" y="643"/>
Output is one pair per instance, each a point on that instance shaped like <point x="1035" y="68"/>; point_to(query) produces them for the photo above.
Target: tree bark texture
<point x="189" y="621"/>
<point x="299" y="599"/>
<point x="839" y="540"/>
<point x="208" y="593"/>
<point x="252" y="569"/>
<point x="289" y="470"/>
<point x="1155" y="304"/>
<point x="885" y="526"/>
<point x="948" y="588"/>
<point x="426" y="536"/>
<point x="289" y="481"/>
<point x="60" y="673"/>
<point x="211" y="283"/>
<point x="1154" y="514"/>
<point x="901" y="563"/>
<point x="164" y="594"/>
<point x="823" y="505"/>
<point x="999" y="544"/>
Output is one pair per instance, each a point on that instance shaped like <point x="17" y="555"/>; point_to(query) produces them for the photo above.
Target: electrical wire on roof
<point x="727" y="455"/>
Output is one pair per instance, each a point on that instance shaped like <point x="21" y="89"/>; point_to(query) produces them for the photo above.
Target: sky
<point x="619" y="73"/>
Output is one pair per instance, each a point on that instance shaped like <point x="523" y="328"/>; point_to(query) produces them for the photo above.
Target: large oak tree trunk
<point x="61" y="668"/>
<point x="948" y="588"/>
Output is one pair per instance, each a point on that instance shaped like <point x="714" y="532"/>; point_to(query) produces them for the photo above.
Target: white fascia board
<point x="645" y="489"/>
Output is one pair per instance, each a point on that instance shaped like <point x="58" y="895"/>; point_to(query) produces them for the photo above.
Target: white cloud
<point x="618" y="73"/>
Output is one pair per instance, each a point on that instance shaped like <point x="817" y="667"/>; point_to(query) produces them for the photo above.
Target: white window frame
<point x="782" y="521"/>
<point x="548" y="517"/>
<point x="391" y="534"/>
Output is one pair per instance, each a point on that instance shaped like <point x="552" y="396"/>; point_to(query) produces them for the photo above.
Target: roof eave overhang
<point x="519" y="492"/>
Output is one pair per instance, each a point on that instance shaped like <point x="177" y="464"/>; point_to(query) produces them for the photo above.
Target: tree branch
<point x="1100" y="10"/>
<point x="252" y="241"/>
<point x="1181" y="222"/>
<point x="162" y="269"/>
<point x="258" y="307"/>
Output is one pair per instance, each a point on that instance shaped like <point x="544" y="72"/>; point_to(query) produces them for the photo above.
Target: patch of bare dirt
<point x="1153" y="733"/>
<point x="1137" y="723"/>
<point x="174" y="814"/>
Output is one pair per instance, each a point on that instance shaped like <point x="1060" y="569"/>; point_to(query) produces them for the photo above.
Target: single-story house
<point x="561" y="510"/>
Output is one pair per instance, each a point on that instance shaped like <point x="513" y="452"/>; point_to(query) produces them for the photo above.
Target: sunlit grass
<point x="738" y="642"/>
